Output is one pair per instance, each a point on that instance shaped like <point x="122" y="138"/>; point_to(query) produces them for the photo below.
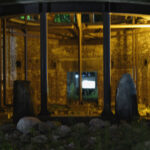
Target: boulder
<point x="79" y="126"/>
<point x="53" y="124"/>
<point x="71" y="146"/>
<point x="25" y="124"/>
<point x="63" y="131"/>
<point x="25" y="138"/>
<point x="97" y="123"/>
<point x="40" y="139"/>
<point x="126" y="99"/>
<point x="44" y="128"/>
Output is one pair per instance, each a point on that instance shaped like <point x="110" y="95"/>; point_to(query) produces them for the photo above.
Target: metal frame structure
<point x="25" y="50"/>
<point x="0" y="71"/>
<point x="4" y="61"/>
<point x="43" y="8"/>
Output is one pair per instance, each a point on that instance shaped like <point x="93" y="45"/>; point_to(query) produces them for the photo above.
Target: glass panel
<point x="62" y="18"/>
<point x="33" y="60"/>
<point x="142" y="60"/>
<point x="89" y="86"/>
<point x="73" y="86"/>
<point x="14" y="58"/>
<point x="92" y="63"/>
<point x="62" y="63"/>
<point x="23" y="33"/>
<point x="121" y="52"/>
<point x="130" y="54"/>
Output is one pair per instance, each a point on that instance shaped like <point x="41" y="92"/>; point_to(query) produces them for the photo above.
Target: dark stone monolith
<point x="126" y="99"/>
<point x="22" y="100"/>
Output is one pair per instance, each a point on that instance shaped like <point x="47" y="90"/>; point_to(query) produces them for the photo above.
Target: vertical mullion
<point x="4" y="61"/>
<point x="0" y="68"/>
<point x="25" y="50"/>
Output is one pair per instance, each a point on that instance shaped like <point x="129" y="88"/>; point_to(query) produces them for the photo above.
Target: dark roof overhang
<point x="12" y="7"/>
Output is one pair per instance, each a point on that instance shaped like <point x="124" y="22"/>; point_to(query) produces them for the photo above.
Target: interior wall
<point x="130" y="50"/>
<point x="34" y="67"/>
<point x="14" y="60"/>
<point x="63" y="58"/>
<point x="121" y="58"/>
<point x="63" y="54"/>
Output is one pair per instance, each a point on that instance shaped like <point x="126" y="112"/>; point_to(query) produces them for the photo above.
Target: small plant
<point x="32" y="131"/>
<point x="6" y="146"/>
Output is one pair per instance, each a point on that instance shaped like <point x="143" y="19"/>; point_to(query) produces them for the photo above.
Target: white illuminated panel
<point x="87" y="84"/>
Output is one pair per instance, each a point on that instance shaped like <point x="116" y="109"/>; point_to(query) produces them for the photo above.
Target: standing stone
<point x="126" y="99"/>
<point x="22" y="100"/>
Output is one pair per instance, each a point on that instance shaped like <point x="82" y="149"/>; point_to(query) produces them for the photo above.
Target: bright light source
<point x="76" y="76"/>
<point x="87" y="84"/>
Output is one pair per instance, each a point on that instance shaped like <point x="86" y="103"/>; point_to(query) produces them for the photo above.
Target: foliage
<point x="5" y="145"/>
<point x="23" y="17"/>
<point x="62" y="18"/>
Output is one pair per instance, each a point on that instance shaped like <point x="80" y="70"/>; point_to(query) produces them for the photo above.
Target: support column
<point x="106" y="54"/>
<point x="4" y="61"/>
<point x="43" y="41"/>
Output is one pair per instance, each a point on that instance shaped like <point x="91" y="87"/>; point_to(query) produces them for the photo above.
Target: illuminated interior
<point x="68" y="60"/>
<point x="75" y="60"/>
<point x="130" y="54"/>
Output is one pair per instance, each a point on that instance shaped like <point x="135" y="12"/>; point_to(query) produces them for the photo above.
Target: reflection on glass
<point x="63" y="63"/>
<point x="62" y="18"/>
<point x="89" y="86"/>
<point x="130" y="35"/>
<point x="92" y="61"/>
<point x="21" y="43"/>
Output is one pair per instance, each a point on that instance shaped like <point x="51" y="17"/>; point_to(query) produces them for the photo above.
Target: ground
<point x="93" y="135"/>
